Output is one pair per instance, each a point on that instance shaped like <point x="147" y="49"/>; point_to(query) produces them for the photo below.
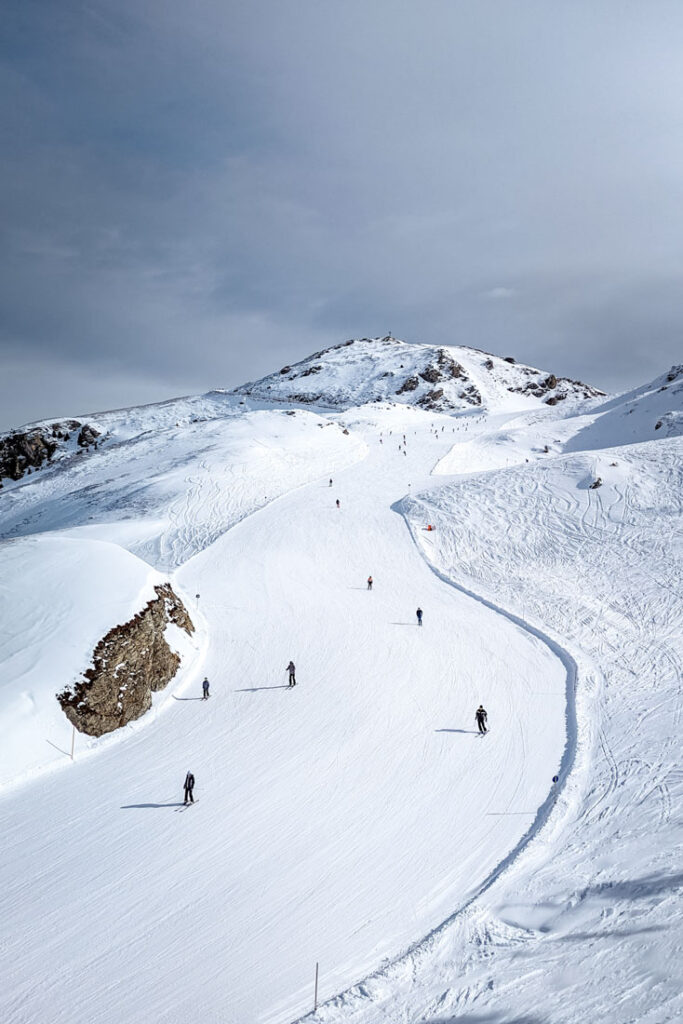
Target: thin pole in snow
<point x="315" y="997"/>
<point x="73" y="740"/>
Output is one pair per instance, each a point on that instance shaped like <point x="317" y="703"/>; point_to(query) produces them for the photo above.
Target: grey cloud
<point x="195" y="193"/>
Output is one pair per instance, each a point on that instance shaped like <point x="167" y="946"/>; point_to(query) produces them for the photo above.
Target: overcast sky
<point x="197" y="191"/>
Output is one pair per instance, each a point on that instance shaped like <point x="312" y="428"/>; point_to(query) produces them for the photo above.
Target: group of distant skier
<point x="480" y="714"/>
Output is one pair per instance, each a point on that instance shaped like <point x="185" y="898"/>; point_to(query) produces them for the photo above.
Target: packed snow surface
<point x="357" y="820"/>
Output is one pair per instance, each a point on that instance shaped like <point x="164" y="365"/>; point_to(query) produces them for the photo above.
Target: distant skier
<point x="205" y="689"/>
<point x="369" y="582"/>
<point x="419" y="616"/>
<point x="481" y="717"/>
<point x="330" y="481"/>
<point x="189" y="786"/>
<point x="292" y="673"/>
<point x="338" y="505"/>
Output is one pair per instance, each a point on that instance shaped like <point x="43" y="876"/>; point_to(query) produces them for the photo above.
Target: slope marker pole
<point x="315" y="997"/>
<point x="73" y="740"/>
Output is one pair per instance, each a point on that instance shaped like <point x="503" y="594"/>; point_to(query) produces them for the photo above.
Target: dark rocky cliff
<point x="130" y="663"/>
<point x="24" y="451"/>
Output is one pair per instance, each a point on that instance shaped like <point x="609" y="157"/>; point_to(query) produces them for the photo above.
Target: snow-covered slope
<point x="343" y="821"/>
<point x="586" y="924"/>
<point x="165" y="489"/>
<point x="434" y="378"/>
<point x="58" y="597"/>
<point x="652" y="411"/>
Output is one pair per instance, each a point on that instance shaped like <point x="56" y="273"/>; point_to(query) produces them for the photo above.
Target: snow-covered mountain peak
<point x="439" y="378"/>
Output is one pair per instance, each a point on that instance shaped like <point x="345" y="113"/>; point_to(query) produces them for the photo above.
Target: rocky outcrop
<point x="306" y="399"/>
<point x="449" y="366"/>
<point x="431" y="374"/>
<point x="23" y="451"/>
<point x="130" y="663"/>
<point x="87" y="435"/>
<point x="434" y="401"/>
<point x="561" y="387"/>
<point x="471" y="394"/>
<point x="409" y="384"/>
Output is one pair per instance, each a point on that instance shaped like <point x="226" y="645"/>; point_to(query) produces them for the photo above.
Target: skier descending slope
<point x="205" y="689"/>
<point x="292" y="674"/>
<point x="481" y="717"/>
<point x="330" y="481"/>
<point x="338" y="505"/>
<point x="369" y="582"/>
<point x="189" y="786"/>
<point x="419" y="616"/>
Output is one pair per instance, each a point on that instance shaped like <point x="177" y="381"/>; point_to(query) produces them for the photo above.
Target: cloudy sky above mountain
<point x="196" y="192"/>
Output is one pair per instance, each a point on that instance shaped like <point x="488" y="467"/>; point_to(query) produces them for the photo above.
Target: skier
<point x="330" y="481"/>
<point x="481" y="717"/>
<point x="369" y="582"/>
<point x="419" y="616"/>
<point x="338" y="505"/>
<point x="205" y="689"/>
<point x="189" y="786"/>
<point x="292" y="674"/>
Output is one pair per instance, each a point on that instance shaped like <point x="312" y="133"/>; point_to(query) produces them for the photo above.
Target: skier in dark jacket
<point x="481" y="717"/>
<point x="330" y="481"/>
<point x="292" y="674"/>
<point x="419" y="616"/>
<point x="369" y="582"/>
<point x="205" y="689"/>
<point x="338" y="505"/>
<point x="189" y="786"/>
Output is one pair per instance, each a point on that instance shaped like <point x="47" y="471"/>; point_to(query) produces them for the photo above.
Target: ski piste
<point x="176" y="493"/>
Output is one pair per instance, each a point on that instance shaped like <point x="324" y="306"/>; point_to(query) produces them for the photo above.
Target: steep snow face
<point x="648" y="413"/>
<point x="452" y="379"/>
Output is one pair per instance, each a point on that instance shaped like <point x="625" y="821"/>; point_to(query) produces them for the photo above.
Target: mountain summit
<point x="438" y="378"/>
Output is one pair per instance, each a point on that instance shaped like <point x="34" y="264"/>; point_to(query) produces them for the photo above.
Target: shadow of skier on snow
<point x="130" y="807"/>
<point x="255" y="689"/>
<point x="467" y="732"/>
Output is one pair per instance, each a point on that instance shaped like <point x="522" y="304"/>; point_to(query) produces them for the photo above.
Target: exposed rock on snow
<point x="87" y="435"/>
<point x="410" y="384"/>
<point x="366" y="370"/>
<point x="30" y="448"/>
<point x="130" y="663"/>
<point x="24" y="451"/>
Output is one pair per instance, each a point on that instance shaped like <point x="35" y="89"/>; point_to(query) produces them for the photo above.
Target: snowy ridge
<point x="652" y="411"/>
<point x="444" y="379"/>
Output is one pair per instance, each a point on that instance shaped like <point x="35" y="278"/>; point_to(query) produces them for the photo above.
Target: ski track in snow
<point x="616" y="812"/>
<point x="371" y="714"/>
<point x="547" y="600"/>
